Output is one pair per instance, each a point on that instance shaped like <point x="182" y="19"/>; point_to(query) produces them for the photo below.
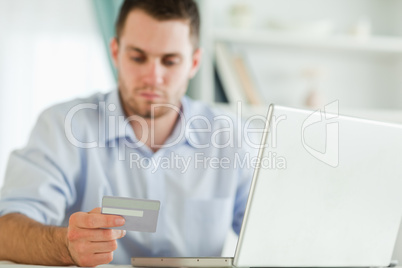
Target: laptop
<point x="325" y="193"/>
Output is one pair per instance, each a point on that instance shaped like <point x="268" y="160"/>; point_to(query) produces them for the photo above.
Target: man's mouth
<point x="150" y="95"/>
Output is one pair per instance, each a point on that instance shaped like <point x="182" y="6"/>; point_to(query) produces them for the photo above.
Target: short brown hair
<point x="163" y="10"/>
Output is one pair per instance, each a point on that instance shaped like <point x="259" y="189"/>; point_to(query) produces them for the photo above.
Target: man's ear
<point x="114" y="50"/>
<point x="196" y="62"/>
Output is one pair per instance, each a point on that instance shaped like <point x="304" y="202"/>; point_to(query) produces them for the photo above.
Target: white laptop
<point x="327" y="193"/>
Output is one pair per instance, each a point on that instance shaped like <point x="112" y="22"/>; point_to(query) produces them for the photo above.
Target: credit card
<point x="141" y="215"/>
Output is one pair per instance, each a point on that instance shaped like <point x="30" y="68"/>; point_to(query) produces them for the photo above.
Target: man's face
<point x="155" y="60"/>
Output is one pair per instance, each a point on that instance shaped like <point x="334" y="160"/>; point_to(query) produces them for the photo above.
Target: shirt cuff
<point x="9" y="207"/>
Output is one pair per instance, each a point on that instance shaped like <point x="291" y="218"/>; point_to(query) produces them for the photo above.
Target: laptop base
<point x="182" y="262"/>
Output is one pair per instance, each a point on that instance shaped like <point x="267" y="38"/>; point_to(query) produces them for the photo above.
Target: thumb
<point x="95" y="211"/>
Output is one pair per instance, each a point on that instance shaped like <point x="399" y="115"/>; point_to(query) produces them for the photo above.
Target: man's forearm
<point x="23" y="240"/>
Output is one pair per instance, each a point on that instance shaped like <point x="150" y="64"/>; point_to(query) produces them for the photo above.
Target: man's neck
<point x="158" y="130"/>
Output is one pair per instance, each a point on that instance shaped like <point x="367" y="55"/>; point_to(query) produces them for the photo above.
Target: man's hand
<point x="88" y="244"/>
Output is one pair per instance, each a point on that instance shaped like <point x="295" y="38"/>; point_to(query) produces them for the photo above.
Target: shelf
<point x="382" y="115"/>
<point x="381" y="44"/>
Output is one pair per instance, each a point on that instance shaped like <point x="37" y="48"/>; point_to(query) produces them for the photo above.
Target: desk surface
<point x="4" y="264"/>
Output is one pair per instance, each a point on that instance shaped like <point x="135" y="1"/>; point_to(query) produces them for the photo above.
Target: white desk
<point x="4" y="264"/>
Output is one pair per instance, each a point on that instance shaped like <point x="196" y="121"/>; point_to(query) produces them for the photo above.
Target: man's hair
<point x="163" y="10"/>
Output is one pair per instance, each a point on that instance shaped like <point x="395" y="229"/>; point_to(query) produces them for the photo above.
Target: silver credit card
<point x="141" y="215"/>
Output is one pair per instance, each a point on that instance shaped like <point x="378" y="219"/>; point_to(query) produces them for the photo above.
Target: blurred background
<point x="50" y="51"/>
<point x="298" y="53"/>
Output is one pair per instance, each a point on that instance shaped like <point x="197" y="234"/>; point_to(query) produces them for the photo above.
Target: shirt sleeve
<point x="39" y="180"/>
<point x="249" y="151"/>
<point x="243" y="188"/>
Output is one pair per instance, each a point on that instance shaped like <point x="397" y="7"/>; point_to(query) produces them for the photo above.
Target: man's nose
<point x="153" y="75"/>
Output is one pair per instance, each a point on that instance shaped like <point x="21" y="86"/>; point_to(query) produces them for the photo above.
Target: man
<point x="146" y="140"/>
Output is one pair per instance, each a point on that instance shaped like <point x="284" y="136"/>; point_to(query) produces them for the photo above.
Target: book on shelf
<point x="252" y="95"/>
<point x="236" y="79"/>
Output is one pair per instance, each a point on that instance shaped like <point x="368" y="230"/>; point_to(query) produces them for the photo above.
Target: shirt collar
<point x="190" y="110"/>
<point x="120" y="128"/>
<point x="115" y="119"/>
<point x="184" y="125"/>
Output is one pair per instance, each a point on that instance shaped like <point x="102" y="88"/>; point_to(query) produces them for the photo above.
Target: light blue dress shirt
<point x="84" y="149"/>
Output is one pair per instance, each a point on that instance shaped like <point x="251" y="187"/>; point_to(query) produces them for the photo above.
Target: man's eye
<point x="137" y="59"/>
<point x="168" y="62"/>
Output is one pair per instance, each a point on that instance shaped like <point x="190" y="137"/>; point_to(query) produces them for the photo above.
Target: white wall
<point x="50" y="51"/>
<point x="358" y="79"/>
<point x="385" y="15"/>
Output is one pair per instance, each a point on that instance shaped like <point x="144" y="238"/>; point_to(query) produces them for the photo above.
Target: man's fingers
<point x="93" y="221"/>
<point x="93" y="260"/>
<point x="104" y="247"/>
<point x="105" y="235"/>
<point x="97" y="210"/>
<point x="104" y="258"/>
<point x="95" y="235"/>
<point x="89" y="243"/>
